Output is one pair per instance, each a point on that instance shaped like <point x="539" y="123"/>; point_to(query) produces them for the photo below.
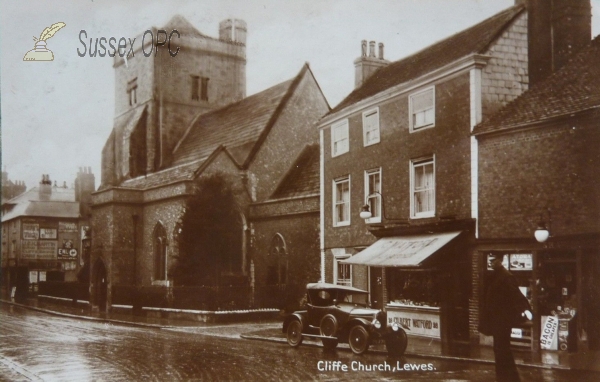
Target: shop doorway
<point x="100" y="285"/>
<point x="376" y="286"/>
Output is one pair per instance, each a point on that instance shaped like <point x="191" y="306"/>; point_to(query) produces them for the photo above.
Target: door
<point x="376" y="287"/>
<point x="100" y="285"/>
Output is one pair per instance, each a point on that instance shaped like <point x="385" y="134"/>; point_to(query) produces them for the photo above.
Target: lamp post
<point x="541" y="234"/>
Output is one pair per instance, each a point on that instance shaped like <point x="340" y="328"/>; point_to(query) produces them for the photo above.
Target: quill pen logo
<point x="40" y="52"/>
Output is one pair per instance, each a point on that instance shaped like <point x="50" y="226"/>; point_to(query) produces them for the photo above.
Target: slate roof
<point x="60" y="204"/>
<point x="166" y="176"/>
<point x="238" y="126"/>
<point x="303" y="177"/>
<point x="475" y="39"/>
<point x="572" y="89"/>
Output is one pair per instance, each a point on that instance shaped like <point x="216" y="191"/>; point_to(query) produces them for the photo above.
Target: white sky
<point x="57" y="115"/>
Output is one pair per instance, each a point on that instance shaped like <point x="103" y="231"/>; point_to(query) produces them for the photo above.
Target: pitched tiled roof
<point x="166" y="176"/>
<point x="183" y="26"/>
<point x="238" y="126"/>
<point x="60" y="203"/>
<point x="573" y="88"/>
<point x="303" y="177"/>
<point x="472" y="40"/>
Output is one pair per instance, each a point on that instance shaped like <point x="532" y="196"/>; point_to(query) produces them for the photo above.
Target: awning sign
<point x="401" y="251"/>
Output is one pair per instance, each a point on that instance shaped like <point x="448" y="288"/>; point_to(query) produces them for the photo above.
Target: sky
<point x="57" y="115"/>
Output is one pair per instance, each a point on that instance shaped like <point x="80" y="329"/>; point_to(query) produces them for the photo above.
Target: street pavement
<point x="477" y="364"/>
<point x="36" y="346"/>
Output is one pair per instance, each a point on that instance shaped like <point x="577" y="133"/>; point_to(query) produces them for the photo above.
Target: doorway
<point x="100" y="285"/>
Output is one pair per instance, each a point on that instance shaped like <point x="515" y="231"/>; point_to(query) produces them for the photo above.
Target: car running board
<point x="318" y="336"/>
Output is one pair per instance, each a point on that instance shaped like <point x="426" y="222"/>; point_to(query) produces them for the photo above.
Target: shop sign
<point x="67" y="252"/>
<point x="67" y="227"/>
<point x="47" y="250"/>
<point x="549" y="338"/>
<point x="419" y="323"/>
<point x="48" y="233"/>
<point x="516" y="333"/>
<point x="31" y="231"/>
<point x="29" y="249"/>
<point x="521" y="262"/>
<point x="85" y="232"/>
<point x="42" y="276"/>
<point x="33" y="277"/>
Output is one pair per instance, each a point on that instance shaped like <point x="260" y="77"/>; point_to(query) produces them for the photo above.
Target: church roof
<point x="239" y="127"/>
<point x="303" y="177"/>
<point x="184" y="27"/>
<point x="572" y="89"/>
<point x="475" y="39"/>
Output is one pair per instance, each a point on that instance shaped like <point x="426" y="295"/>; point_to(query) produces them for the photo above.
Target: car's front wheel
<point x="330" y="343"/>
<point x="396" y="343"/>
<point x="358" y="339"/>
<point x="294" y="333"/>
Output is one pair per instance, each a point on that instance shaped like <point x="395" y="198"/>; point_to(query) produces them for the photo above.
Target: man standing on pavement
<point x="504" y="306"/>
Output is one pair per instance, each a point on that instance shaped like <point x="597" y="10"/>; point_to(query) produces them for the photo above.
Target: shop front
<point x="424" y="282"/>
<point x="560" y="280"/>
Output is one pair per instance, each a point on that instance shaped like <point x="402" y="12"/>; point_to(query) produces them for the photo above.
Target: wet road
<point x="41" y="347"/>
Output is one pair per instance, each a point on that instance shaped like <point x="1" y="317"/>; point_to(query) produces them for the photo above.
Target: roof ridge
<point x="385" y="77"/>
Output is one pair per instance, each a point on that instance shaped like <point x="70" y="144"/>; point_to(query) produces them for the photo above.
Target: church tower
<point x="164" y="86"/>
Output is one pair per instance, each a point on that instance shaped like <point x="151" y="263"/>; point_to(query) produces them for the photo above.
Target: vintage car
<point x="334" y="314"/>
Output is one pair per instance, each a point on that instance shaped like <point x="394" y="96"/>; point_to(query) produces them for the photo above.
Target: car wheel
<point x="328" y="325"/>
<point x="396" y="343"/>
<point x="294" y="333"/>
<point x="330" y="343"/>
<point x="358" y="339"/>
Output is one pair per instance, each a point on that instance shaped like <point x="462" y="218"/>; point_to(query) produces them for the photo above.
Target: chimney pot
<point x="363" y="45"/>
<point x="381" y="51"/>
<point x="372" y="49"/>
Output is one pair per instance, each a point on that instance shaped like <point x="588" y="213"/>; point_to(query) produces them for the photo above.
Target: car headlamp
<point x="395" y="326"/>
<point x="376" y="323"/>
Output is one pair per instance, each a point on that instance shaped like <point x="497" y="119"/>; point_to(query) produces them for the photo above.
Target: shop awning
<point x="401" y="251"/>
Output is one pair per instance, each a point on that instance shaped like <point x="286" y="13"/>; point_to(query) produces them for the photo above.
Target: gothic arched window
<point x="160" y="252"/>
<point x="278" y="262"/>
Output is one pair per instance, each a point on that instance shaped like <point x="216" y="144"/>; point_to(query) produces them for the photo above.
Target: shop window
<point x="422" y="109"/>
<point x="371" y="127"/>
<point x="341" y="202"/>
<point x="339" y="138"/>
<point x="373" y="194"/>
<point x="422" y="188"/>
<point x="160" y="252"/>
<point x="343" y="272"/>
<point x="132" y="92"/>
<point x="412" y="288"/>
<point x="278" y="263"/>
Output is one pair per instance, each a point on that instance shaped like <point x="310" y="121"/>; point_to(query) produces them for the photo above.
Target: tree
<point x="210" y="242"/>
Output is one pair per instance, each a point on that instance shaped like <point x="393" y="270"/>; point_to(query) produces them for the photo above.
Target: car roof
<point x="327" y="286"/>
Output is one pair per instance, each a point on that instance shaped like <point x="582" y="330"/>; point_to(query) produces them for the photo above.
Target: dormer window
<point x="132" y="91"/>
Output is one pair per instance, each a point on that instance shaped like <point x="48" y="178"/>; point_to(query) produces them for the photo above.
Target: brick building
<point x="183" y="118"/>
<point x="10" y="188"/>
<point x="401" y="145"/>
<point x="540" y="161"/>
<point x="44" y="232"/>
<point x="286" y="232"/>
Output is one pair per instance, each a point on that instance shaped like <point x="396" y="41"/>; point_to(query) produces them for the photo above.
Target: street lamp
<point x="365" y="211"/>
<point x="542" y="233"/>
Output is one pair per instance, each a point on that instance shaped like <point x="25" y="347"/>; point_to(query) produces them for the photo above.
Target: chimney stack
<point x="85" y="184"/>
<point x="45" y="190"/>
<point x="368" y="63"/>
<point x="556" y="31"/>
